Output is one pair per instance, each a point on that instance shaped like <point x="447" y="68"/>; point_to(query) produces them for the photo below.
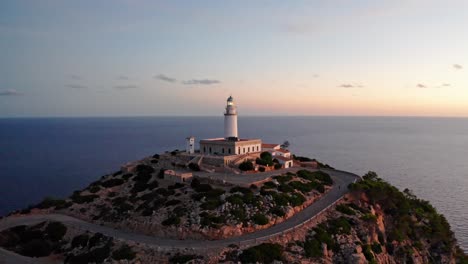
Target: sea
<point x="52" y="157"/>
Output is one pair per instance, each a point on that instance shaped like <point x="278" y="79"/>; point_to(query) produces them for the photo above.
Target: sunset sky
<point x="148" y="58"/>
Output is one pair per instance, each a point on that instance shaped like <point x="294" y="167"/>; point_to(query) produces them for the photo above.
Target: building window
<point x="204" y="149"/>
<point x="258" y="149"/>
<point x="210" y="150"/>
<point x="243" y="149"/>
<point x="248" y="149"/>
<point x="223" y="150"/>
<point x="229" y="150"/>
<point x="238" y="151"/>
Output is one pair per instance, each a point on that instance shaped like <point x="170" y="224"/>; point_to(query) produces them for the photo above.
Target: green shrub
<point x="124" y="252"/>
<point x="320" y="188"/>
<point x="278" y="166"/>
<point x="80" y="241"/>
<point x="203" y="188"/>
<point x="263" y="253"/>
<point x="51" y="202"/>
<point x="339" y="225"/>
<point x="269" y="185"/>
<point x="112" y="182"/>
<point x="194" y="183"/>
<point x="303" y="187"/>
<point x="296" y="199"/>
<point x="246" y="166"/>
<point x="144" y="168"/>
<point x="345" y="209"/>
<point x="241" y="189"/>
<point x="172" y="220"/>
<point x="172" y="202"/>
<point x="369" y="217"/>
<point x="80" y="199"/>
<point x="142" y="177"/>
<point x="182" y="259"/>
<point x="211" y="204"/>
<point x="177" y="185"/>
<point x="36" y="248"/>
<point x="239" y="214"/>
<point x="94" y="189"/>
<point x="313" y="248"/>
<point x="55" y="231"/>
<point x="194" y="166"/>
<point x="367" y="251"/>
<point x="261" y="169"/>
<point x="376" y="247"/>
<point x="235" y="199"/>
<point x="260" y="219"/>
<point x="285" y="188"/>
<point x="278" y="211"/>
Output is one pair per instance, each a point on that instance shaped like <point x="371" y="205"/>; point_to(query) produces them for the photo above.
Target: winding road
<point x="341" y="181"/>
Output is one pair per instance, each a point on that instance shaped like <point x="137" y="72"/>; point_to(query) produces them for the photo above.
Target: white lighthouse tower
<point x="230" y="120"/>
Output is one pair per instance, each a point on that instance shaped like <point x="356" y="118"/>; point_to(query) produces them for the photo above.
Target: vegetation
<point x="411" y="218"/>
<point x="345" y="209"/>
<point x="246" y="166"/>
<point x="260" y="219"/>
<point x="124" y="252"/>
<point x="266" y="159"/>
<point x="181" y="259"/>
<point x="263" y="253"/>
<point x="194" y="166"/>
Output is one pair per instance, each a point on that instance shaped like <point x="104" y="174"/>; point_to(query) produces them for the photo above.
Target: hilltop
<point x="298" y="215"/>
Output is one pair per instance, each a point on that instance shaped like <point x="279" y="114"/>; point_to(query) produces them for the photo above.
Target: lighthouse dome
<point x="230" y="99"/>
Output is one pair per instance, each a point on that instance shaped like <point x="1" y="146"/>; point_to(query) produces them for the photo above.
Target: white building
<point x="190" y="145"/>
<point x="231" y="144"/>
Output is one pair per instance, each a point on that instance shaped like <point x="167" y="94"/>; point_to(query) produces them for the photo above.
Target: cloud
<point x="446" y="85"/>
<point x="457" y="66"/>
<point x="10" y="93"/>
<point x="201" y="82"/>
<point x="125" y="87"/>
<point x="76" y="86"/>
<point x="76" y="77"/>
<point x="420" y="85"/>
<point x="122" y="77"/>
<point x="165" y="78"/>
<point x="349" y="85"/>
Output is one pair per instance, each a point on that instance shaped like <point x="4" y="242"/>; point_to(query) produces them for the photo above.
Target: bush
<point x="261" y="169"/>
<point x="94" y="189"/>
<point x="211" y="204"/>
<point x="235" y="199"/>
<point x="144" y="169"/>
<point x="80" y="199"/>
<point x="296" y="199"/>
<point x="246" y="166"/>
<point x="80" y="241"/>
<point x="260" y="219"/>
<point x="313" y="248"/>
<point x="377" y="248"/>
<point x="194" y="183"/>
<point x="303" y="187"/>
<point x="55" y="231"/>
<point x="343" y="208"/>
<point x="194" y="166"/>
<point x="124" y="252"/>
<point x="177" y="185"/>
<point x="320" y="188"/>
<point x="241" y="189"/>
<point x="278" y="166"/>
<point x="285" y="188"/>
<point x="369" y="218"/>
<point x="51" y="202"/>
<point x="181" y="259"/>
<point x="203" y="187"/>
<point x="172" y="220"/>
<point x="142" y="177"/>
<point x="263" y="253"/>
<point x="267" y="158"/>
<point x="172" y="202"/>
<point x="96" y="255"/>
<point x="278" y="211"/>
<point x="112" y="183"/>
<point x="36" y="248"/>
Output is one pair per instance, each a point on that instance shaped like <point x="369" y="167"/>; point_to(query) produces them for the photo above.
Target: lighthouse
<point x="230" y="120"/>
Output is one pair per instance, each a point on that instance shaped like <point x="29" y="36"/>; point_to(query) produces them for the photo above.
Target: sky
<point x="184" y="58"/>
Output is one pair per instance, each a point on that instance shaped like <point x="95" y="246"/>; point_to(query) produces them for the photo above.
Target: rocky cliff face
<point x="375" y="223"/>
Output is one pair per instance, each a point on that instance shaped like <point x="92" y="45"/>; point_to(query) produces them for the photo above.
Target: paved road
<point x="341" y="179"/>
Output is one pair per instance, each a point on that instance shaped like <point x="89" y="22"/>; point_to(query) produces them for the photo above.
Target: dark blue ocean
<point x="53" y="156"/>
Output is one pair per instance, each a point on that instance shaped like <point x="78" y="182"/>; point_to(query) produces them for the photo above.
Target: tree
<point x="246" y="166"/>
<point x="285" y="144"/>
